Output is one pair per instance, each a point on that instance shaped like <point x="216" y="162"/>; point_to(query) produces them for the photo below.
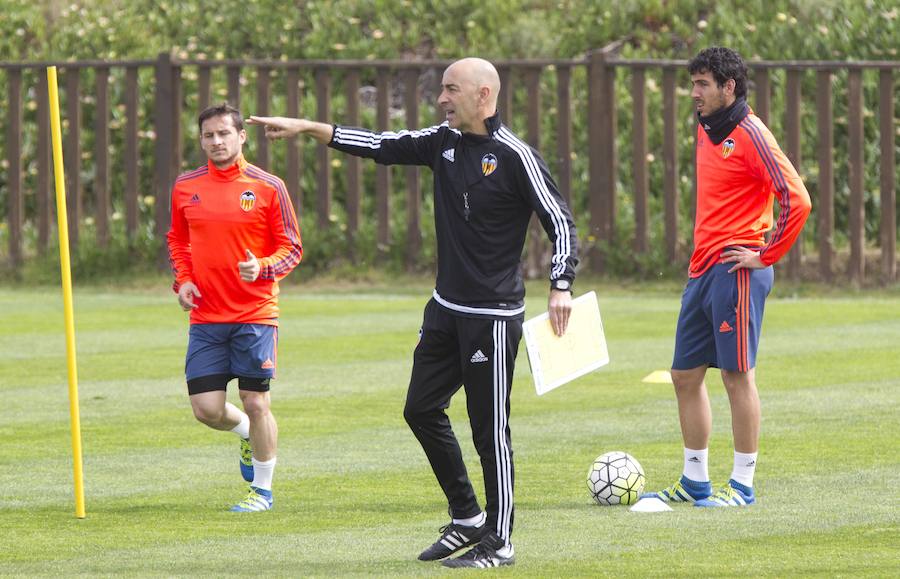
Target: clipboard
<point x="557" y="360"/>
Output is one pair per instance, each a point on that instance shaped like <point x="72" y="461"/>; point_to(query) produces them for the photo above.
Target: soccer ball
<point x="615" y="478"/>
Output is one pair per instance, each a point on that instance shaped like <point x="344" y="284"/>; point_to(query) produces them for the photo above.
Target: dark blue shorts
<point x="721" y="318"/>
<point x="231" y="350"/>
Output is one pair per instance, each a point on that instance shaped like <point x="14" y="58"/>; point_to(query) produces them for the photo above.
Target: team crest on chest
<point x="488" y="164"/>
<point x="248" y="200"/>
<point x="727" y="148"/>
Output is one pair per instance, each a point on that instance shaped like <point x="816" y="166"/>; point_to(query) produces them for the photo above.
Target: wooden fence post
<point x="603" y="155"/>
<point x="886" y="99"/>
<point x="15" y="215"/>
<point x="792" y="118"/>
<point x="563" y="171"/>
<point x="234" y="85"/>
<point x="204" y="84"/>
<point x="353" y="163"/>
<point x="383" y="172"/>
<point x="639" y="160"/>
<point x="536" y="247"/>
<point x="825" y="119"/>
<point x="670" y="159"/>
<point x="132" y="155"/>
<point x="856" y="207"/>
<point x="101" y="155"/>
<point x="177" y="108"/>
<point x="413" y="191"/>
<point x="505" y="98"/>
<point x="45" y="171"/>
<point x="294" y="158"/>
<point x="263" y="94"/>
<point x="763" y="97"/>
<point x="323" y="177"/>
<point x="163" y="123"/>
<point x="73" y="155"/>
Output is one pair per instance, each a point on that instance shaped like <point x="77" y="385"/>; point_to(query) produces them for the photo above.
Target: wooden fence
<point x="585" y="96"/>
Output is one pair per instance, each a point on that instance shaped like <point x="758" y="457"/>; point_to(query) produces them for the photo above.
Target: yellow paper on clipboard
<point x="557" y="360"/>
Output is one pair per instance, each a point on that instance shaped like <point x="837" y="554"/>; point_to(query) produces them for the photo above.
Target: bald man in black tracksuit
<point x="487" y="184"/>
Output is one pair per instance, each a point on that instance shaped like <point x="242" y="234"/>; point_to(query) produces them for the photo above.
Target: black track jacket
<point x="485" y="189"/>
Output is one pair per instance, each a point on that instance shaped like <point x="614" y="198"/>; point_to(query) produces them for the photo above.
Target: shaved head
<point x="479" y="72"/>
<point x="469" y="92"/>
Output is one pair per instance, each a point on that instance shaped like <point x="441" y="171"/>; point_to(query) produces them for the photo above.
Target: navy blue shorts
<point x="721" y="318"/>
<point x="226" y="351"/>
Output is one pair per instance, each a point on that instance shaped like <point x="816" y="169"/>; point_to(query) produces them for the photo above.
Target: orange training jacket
<point x="216" y="216"/>
<point x="737" y="182"/>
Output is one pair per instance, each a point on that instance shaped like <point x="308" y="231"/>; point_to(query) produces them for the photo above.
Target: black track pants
<point x="480" y="354"/>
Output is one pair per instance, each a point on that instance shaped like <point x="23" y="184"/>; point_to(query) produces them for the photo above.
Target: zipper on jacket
<point x="466" y="206"/>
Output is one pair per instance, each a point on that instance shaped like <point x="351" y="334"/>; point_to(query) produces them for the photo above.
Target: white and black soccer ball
<point x="616" y="478"/>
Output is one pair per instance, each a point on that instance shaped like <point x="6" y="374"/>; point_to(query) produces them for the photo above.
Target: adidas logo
<point x="478" y="356"/>
<point x="694" y="459"/>
<point x="725" y="327"/>
<point x="751" y="463"/>
<point x="195" y="199"/>
<point x="449" y="154"/>
<point x="267" y="365"/>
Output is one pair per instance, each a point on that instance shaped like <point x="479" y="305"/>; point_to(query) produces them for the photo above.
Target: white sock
<point x="262" y="474"/>
<point x="696" y="466"/>
<point x="744" y="467"/>
<point x="475" y="521"/>
<point x="243" y="427"/>
<point x="506" y="551"/>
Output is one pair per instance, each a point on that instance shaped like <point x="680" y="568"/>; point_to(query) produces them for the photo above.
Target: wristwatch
<point x="561" y="285"/>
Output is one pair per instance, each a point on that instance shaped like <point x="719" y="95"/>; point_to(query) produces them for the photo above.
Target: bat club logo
<point x="727" y="148"/>
<point x="248" y="199"/>
<point x="488" y="164"/>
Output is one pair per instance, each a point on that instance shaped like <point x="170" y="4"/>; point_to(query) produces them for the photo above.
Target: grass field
<point x="354" y="494"/>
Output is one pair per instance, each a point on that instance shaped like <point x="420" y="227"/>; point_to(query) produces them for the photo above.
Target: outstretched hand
<point x="278" y="127"/>
<point x="284" y="127"/>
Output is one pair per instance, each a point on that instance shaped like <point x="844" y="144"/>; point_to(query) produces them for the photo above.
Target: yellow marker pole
<point x="62" y="221"/>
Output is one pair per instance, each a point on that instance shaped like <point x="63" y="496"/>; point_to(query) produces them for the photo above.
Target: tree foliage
<point x="370" y="29"/>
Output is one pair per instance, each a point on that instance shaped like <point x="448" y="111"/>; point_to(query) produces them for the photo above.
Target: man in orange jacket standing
<point x="740" y="172"/>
